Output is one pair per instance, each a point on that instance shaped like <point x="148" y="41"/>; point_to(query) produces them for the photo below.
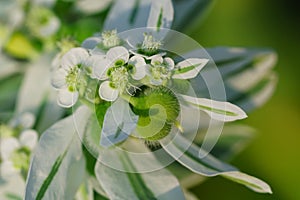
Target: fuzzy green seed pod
<point x="158" y="109"/>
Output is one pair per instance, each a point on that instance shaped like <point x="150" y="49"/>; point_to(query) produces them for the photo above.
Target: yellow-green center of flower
<point x="21" y="158"/>
<point x="72" y="79"/>
<point x="150" y="45"/>
<point x="159" y="71"/>
<point x="119" y="78"/>
<point x="110" y="39"/>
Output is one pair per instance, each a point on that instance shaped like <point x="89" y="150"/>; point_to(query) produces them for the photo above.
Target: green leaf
<point x="139" y="14"/>
<point x="244" y="73"/>
<point x="161" y="14"/>
<point x="159" y="184"/>
<point x="189" y="156"/>
<point x="57" y="166"/>
<point x="9" y="89"/>
<point x="189" y="13"/>
<point x="221" y="111"/>
<point x="232" y="141"/>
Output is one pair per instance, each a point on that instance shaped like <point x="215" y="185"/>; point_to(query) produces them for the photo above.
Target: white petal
<point x="8" y="146"/>
<point x="58" y="79"/>
<point x="190" y="68"/>
<point x="169" y="62"/>
<point x="156" y="59"/>
<point x="29" y="138"/>
<point x="66" y="98"/>
<point x="51" y="27"/>
<point x="74" y="57"/>
<point x="26" y="120"/>
<point x="91" y="43"/>
<point x="140" y="67"/>
<point x="100" y="67"/>
<point x="222" y="111"/>
<point x="107" y="93"/>
<point x="117" y="53"/>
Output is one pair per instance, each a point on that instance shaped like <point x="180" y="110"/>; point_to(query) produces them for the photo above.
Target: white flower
<point x="67" y="78"/>
<point x="42" y="22"/>
<point x="15" y="153"/>
<point x="25" y="121"/>
<point x="150" y="45"/>
<point x="98" y="45"/>
<point x="160" y="69"/>
<point x="116" y="70"/>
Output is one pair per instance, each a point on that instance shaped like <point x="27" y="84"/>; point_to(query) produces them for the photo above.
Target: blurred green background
<point x="274" y="155"/>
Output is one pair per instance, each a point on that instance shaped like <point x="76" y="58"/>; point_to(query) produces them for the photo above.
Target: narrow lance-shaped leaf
<point x="188" y="155"/>
<point x="232" y="141"/>
<point x="161" y="14"/>
<point x="57" y="166"/>
<point x="222" y="111"/>
<point x="190" y="11"/>
<point x="123" y="185"/>
<point x="244" y="73"/>
<point x="35" y="87"/>
<point x="126" y="15"/>
<point x="189" y="68"/>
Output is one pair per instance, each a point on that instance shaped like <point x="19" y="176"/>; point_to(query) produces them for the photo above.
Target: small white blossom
<point x="42" y="22"/>
<point x="98" y="45"/>
<point x="67" y="78"/>
<point x="15" y="152"/>
<point x="160" y="69"/>
<point x="116" y="70"/>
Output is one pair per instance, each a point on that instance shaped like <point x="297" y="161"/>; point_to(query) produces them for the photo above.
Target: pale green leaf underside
<point x="57" y="167"/>
<point x="209" y="165"/>
<point x="119" y="185"/>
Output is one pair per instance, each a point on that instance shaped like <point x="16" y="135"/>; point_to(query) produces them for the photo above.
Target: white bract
<point x="15" y="152"/>
<point x="42" y="22"/>
<point x="160" y="69"/>
<point x="98" y="45"/>
<point x="67" y="78"/>
<point x="116" y="70"/>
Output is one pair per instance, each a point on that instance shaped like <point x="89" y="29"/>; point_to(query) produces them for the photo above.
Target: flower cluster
<point x="17" y="142"/>
<point x="140" y="76"/>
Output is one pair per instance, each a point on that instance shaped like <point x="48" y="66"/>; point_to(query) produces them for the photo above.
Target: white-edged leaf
<point x="187" y="13"/>
<point x="258" y="95"/>
<point x="221" y="111"/>
<point x="57" y="166"/>
<point x="188" y="155"/>
<point x="189" y="68"/>
<point x="119" y="122"/>
<point x="161" y="184"/>
<point x="130" y="14"/>
<point x="35" y="85"/>
<point x="232" y="141"/>
<point x="161" y="14"/>
<point x="243" y="71"/>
